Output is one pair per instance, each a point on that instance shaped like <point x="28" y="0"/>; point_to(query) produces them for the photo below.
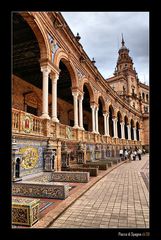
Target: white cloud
<point x="101" y="38"/>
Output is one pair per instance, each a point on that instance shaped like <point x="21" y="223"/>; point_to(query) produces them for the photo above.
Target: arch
<point x="112" y="109"/>
<point x="119" y="120"/>
<point x="60" y="55"/>
<point x="120" y="115"/>
<point x="143" y="95"/>
<point x="137" y="131"/>
<point x="40" y="33"/>
<point x="101" y="98"/>
<point x="111" y="126"/>
<point x="89" y="87"/>
<point x="126" y="121"/>
<point x="132" y="130"/>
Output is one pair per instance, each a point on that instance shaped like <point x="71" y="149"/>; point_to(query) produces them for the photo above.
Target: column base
<point x="81" y="128"/>
<point x="76" y="127"/>
<point x="54" y="119"/>
<point x="45" y="116"/>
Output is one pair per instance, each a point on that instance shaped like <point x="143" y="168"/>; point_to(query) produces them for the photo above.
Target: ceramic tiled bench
<point x="25" y="211"/>
<point x="67" y="176"/>
<point x="92" y="170"/>
<point x="41" y="190"/>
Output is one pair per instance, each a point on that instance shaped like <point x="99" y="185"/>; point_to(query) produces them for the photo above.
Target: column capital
<point x="114" y="119"/>
<point x="93" y="106"/>
<point x="75" y="94"/>
<point x="105" y="114"/>
<point x="54" y="76"/>
<point x="81" y="96"/>
<point x="46" y="69"/>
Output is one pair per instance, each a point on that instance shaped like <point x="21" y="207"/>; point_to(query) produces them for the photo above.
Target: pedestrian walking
<point x="121" y="154"/>
<point x="126" y="154"/>
<point x="139" y="152"/>
<point x="134" y="155"/>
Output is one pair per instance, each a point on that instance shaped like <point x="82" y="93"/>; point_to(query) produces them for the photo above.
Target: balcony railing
<point x="29" y="124"/>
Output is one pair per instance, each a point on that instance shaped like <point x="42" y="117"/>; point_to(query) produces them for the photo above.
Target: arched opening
<point x="125" y="126"/>
<point x="119" y="119"/>
<point x="137" y="131"/>
<point x="132" y="130"/>
<point x="111" y="131"/>
<point x="26" y="67"/>
<point x="147" y="97"/>
<point x="64" y="94"/>
<point x="87" y="116"/>
<point x="100" y="117"/>
<point x="17" y="168"/>
<point x="143" y="96"/>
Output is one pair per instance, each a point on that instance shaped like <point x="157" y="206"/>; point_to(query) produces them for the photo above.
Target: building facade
<point x="60" y="99"/>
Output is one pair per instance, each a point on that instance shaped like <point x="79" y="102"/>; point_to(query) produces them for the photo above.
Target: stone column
<point x="105" y="124"/>
<point x="115" y="127"/>
<point x="75" y="98"/>
<point x="45" y="72"/>
<point x="129" y="132"/>
<point x="54" y="78"/>
<point x="93" y="118"/>
<point x="96" y="110"/>
<point x="134" y="130"/>
<point x="122" y="130"/>
<point x="81" y="112"/>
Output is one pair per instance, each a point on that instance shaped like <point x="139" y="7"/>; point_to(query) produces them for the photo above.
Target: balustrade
<point x="44" y="127"/>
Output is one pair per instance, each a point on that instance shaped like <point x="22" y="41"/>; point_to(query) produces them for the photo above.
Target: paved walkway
<point x="118" y="200"/>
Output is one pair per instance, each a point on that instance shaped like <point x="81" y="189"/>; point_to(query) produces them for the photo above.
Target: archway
<point x="111" y="113"/>
<point x="87" y="109"/>
<point x="119" y="119"/>
<point x="137" y="131"/>
<point x="100" y="116"/>
<point x="125" y="127"/>
<point x="26" y="65"/>
<point x="132" y="130"/>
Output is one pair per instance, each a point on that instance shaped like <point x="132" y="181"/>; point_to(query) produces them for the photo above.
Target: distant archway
<point x="132" y="130"/>
<point x="111" y="113"/>
<point x="119" y="119"/>
<point x="125" y="127"/>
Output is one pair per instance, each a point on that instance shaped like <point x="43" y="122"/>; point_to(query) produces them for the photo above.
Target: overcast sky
<point x="101" y="38"/>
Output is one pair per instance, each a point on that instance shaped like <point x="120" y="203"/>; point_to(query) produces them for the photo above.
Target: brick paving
<point x="119" y="200"/>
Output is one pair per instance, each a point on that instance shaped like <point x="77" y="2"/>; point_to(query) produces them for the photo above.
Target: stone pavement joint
<point x="119" y="199"/>
<point x="51" y="216"/>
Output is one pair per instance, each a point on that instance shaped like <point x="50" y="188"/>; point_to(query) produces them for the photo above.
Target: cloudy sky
<point x="101" y="38"/>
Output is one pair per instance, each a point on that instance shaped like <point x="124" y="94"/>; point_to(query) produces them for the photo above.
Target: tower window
<point x="143" y="95"/>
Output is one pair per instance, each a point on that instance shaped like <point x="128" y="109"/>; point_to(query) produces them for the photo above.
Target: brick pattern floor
<point x="118" y="200"/>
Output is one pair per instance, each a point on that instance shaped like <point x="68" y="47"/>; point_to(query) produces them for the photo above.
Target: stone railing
<point x="25" y="123"/>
